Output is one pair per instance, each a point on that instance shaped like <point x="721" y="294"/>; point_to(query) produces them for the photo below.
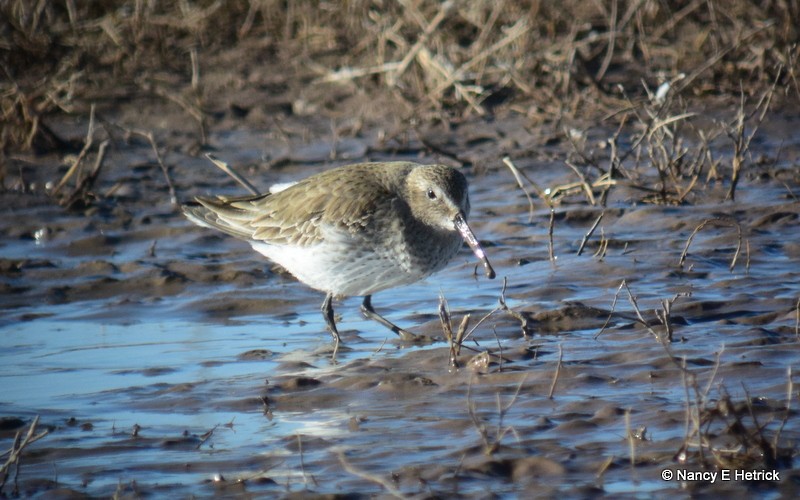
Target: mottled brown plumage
<point x="354" y="230"/>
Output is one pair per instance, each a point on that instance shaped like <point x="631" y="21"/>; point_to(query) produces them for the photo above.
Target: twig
<point x="634" y="303"/>
<point x="231" y="172"/>
<point x="447" y="329"/>
<point x="613" y="162"/>
<point x="725" y="221"/>
<point x="612" y="40"/>
<point x="473" y="415"/>
<point x="687" y="421"/>
<point x="584" y="183"/>
<point x="514" y="170"/>
<point x="302" y="461"/>
<point x="572" y="136"/>
<point x="747" y="259"/>
<point x="18" y="446"/>
<point x="491" y="444"/>
<point x="556" y="374"/>
<point x="499" y="350"/>
<point x="244" y="29"/>
<point x="475" y="327"/>
<point x="602" y="247"/>
<point x="550" y="251"/>
<point x="797" y="320"/>
<point x="349" y="74"/>
<point x="444" y="10"/>
<point x="518" y="29"/>
<point x="524" y="324"/>
<point x="629" y="435"/>
<point x="604" y="467"/>
<point x="589" y="233"/>
<point x="503" y="410"/>
<point x="380" y="347"/>
<point x="719" y="55"/>
<point x="504" y="307"/>
<point x="205" y="437"/>
<point x="193" y="110"/>
<point x="638" y="312"/>
<point x="87" y="145"/>
<point x="664" y="315"/>
<point x="148" y="134"/>
<point x="789" y="396"/>
<point x="520" y="174"/>
<point x="658" y="124"/>
<point x="766" y="448"/>
<point x="611" y="312"/>
<point x="195" y="70"/>
<point x="488" y="26"/>
<point x="461" y="332"/>
<point x="717" y="361"/>
<point x="435" y="65"/>
<point x="674" y="19"/>
<point x="390" y="488"/>
<point x="741" y="144"/>
<point x="173" y="197"/>
<point x="86" y="183"/>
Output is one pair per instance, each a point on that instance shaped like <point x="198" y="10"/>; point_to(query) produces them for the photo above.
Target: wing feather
<point x="345" y="199"/>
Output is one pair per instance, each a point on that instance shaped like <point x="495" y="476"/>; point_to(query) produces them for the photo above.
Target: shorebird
<point x="354" y="230"/>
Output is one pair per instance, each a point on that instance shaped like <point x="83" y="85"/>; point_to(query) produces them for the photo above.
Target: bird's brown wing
<point x="296" y="214"/>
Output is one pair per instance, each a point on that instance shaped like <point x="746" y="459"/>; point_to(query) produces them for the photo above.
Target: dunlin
<point x="354" y="230"/>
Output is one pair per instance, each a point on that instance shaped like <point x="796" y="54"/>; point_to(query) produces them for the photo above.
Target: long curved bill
<point x="466" y="233"/>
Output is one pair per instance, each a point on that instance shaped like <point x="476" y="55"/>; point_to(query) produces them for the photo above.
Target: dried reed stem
<point x="388" y="486"/>
<point x="557" y="373"/>
<point x="87" y="145"/>
<point x="17" y="447"/>
<point x="518" y="177"/>
<point x="550" y="225"/>
<point x="717" y="220"/>
<point x="86" y="182"/>
<point x="233" y="174"/>
<point x="444" y="10"/>
<point x="590" y="232"/>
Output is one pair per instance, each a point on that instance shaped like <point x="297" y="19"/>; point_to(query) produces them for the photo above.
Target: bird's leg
<point x="327" y="313"/>
<point x="369" y="313"/>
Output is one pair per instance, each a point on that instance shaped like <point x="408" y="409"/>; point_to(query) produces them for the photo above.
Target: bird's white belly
<point x="343" y="272"/>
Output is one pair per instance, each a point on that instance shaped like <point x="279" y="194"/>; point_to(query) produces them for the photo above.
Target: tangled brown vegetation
<point x="437" y="60"/>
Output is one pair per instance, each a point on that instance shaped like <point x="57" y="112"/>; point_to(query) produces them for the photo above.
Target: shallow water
<point x="164" y="358"/>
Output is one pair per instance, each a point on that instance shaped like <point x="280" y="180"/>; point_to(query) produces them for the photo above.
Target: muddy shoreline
<point x="646" y="314"/>
<point x="213" y="373"/>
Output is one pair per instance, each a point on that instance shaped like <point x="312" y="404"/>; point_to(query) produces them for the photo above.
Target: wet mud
<point x="164" y="358"/>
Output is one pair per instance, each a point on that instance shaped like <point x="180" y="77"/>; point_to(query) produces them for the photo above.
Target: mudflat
<point x="640" y="338"/>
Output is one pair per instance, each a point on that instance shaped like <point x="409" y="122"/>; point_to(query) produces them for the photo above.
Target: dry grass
<point x="441" y="60"/>
<point x="719" y="432"/>
<point x="492" y="435"/>
<point x="664" y="149"/>
<point x="14" y="455"/>
<point x="723" y="433"/>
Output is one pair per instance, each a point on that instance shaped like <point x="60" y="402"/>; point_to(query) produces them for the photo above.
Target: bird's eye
<point x="431" y="194"/>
